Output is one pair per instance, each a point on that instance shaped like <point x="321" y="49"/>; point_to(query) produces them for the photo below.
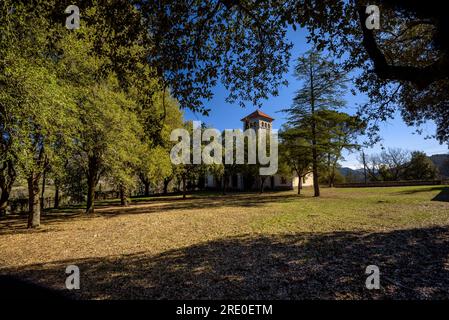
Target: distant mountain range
<point x="352" y="175"/>
<point x="441" y="161"/>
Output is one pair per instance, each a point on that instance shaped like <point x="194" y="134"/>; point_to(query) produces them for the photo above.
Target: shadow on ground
<point x="15" y="288"/>
<point x="413" y="265"/>
<point x="14" y="224"/>
<point x="443" y="195"/>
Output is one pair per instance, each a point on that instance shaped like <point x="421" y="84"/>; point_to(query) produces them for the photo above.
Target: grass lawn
<point x="269" y="246"/>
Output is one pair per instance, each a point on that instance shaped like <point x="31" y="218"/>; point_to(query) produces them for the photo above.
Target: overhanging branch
<point x="420" y="76"/>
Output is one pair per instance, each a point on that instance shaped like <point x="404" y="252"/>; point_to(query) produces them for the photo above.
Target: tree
<point x="261" y="153"/>
<point x="321" y="90"/>
<point x="363" y="161"/>
<point x="190" y="170"/>
<point x="389" y="165"/>
<point x="8" y="176"/>
<point x="156" y="167"/>
<point x="159" y="116"/>
<point x="295" y="153"/>
<point x="420" y="167"/>
<point x="393" y="163"/>
<point x="37" y="108"/>
<point x="110" y="138"/>
<point x="403" y="65"/>
<point x="341" y="132"/>
<point x="396" y="164"/>
<point x="193" y="45"/>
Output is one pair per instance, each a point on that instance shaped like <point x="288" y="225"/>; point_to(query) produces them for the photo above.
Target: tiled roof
<point x="256" y="114"/>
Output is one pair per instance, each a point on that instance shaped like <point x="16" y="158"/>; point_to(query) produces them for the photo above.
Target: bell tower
<point x="257" y="120"/>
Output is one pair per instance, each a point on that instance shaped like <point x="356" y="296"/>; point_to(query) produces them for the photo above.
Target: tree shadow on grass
<point x="443" y="195"/>
<point x="413" y="265"/>
<point x="227" y="201"/>
<point x="421" y="190"/>
<point x="17" y="223"/>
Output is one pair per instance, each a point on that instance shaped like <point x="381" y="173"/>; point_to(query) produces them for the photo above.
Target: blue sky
<point x="394" y="133"/>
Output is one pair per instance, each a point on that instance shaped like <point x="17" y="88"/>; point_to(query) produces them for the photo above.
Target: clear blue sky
<point x="394" y="133"/>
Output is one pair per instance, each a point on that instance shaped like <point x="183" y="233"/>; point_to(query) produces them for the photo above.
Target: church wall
<point x="307" y="183"/>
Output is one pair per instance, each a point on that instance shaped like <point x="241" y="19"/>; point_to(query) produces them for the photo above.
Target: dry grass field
<point x="242" y="246"/>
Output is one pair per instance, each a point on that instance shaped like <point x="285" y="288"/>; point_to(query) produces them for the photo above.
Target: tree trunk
<point x="147" y="189"/>
<point x="34" y="208"/>
<point x="4" y="197"/>
<point x="90" y="196"/>
<point x="166" y="183"/>
<point x="299" y="184"/>
<point x="225" y="182"/>
<point x="262" y="184"/>
<point x="364" y="167"/>
<point x="42" y="200"/>
<point x="184" y="188"/>
<point x="92" y="181"/>
<point x="332" y="178"/>
<point x="124" y="201"/>
<point x="316" y="186"/>
<point x="56" y="206"/>
<point x="7" y="178"/>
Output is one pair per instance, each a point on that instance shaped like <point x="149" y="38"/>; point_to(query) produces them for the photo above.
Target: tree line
<point x="395" y="164"/>
<point x="74" y="112"/>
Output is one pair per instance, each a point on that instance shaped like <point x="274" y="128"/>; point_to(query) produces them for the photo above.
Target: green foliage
<point x="72" y="104"/>
<point x="195" y="44"/>
<point x="341" y="133"/>
<point x="110" y="132"/>
<point x="36" y="109"/>
<point x="295" y="152"/>
<point x="396" y="164"/>
<point x="155" y="166"/>
<point x="159" y="115"/>
<point x="420" y="167"/>
<point x="191" y="172"/>
<point x="401" y="67"/>
<point x="312" y="119"/>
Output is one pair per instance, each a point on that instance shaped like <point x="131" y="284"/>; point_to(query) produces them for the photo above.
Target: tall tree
<point x="322" y="88"/>
<point x="110" y="138"/>
<point x="363" y="161"/>
<point x="37" y="106"/>
<point x="402" y="66"/>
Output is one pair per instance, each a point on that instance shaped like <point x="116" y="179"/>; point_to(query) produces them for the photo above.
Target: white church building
<point x="242" y="182"/>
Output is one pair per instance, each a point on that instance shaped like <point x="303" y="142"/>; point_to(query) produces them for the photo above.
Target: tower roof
<point x="257" y="114"/>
